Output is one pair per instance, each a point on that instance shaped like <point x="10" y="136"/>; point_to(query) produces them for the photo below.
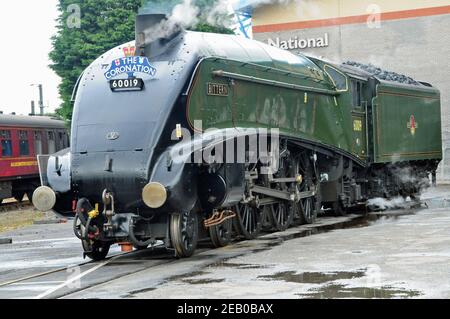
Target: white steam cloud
<point x="187" y="14"/>
<point x="183" y="15"/>
<point x="387" y="204"/>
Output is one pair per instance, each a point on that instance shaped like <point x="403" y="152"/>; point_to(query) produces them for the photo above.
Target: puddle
<point x="133" y="293"/>
<point x="184" y="276"/>
<point x="239" y="266"/>
<point x="358" y="222"/>
<point x="202" y="281"/>
<point x="331" y="291"/>
<point x="341" y="291"/>
<point x="435" y="203"/>
<point x="189" y="278"/>
<point x="313" y="277"/>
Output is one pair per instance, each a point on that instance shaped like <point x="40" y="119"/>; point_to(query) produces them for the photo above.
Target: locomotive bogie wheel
<point x="94" y="249"/>
<point x="221" y="235"/>
<point x="184" y="233"/>
<point x="248" y="221"/>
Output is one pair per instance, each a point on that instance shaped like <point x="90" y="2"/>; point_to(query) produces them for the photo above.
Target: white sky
<point x="25" y="30"/>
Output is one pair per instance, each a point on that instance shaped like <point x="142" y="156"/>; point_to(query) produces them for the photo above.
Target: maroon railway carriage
<point x="22" y="138"/>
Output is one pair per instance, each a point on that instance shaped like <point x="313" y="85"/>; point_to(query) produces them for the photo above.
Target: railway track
<point x="66" y="279"/>
<point x="87" y="277"/>
<point x="66" y="282"/>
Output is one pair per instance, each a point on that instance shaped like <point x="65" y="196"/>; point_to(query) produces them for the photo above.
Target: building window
<point x="5" y="137"/>
<point x="24" y="145"/>
<point x="38" y="143"/>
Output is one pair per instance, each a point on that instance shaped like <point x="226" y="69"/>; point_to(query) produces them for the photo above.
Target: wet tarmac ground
<point x="403" y="253"/>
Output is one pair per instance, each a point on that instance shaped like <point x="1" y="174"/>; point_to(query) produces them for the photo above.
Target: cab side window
<point x="356" y="89"/>
<point x="6" y="142"/>
<point x="358" y="94"/>
<point x="24" y="144"/>
<point x="337" y="77"/>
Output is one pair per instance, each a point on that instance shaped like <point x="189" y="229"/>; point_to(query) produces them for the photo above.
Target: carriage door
<point x="359" y="114"/>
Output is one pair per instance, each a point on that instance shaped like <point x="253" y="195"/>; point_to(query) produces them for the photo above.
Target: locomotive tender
<point x="335" y="136"/>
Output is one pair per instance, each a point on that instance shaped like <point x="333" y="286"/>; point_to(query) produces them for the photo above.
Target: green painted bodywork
<point x="255" y="99"/>
<point x="396" y="137"/>
<point x="297" y="113"/>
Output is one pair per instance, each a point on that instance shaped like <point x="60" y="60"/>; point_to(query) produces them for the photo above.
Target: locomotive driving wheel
<point x="308" y="211"/>
<point x="281" y="215"/>
<point x="184" y="233"/>
<point x="308" y="207"/>
<point x="248" y="221"/>
<point x="221" y="235"/>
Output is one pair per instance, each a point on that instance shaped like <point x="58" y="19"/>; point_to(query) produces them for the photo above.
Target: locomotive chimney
<point x="153" y="31"/>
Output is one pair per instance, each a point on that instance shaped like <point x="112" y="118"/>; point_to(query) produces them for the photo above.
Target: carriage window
<point x="51" y="142"/>
<point x="61" y="140"/>
<point x="38" y="143"/>
<point x="5" y="137"/>
<point x="24" y="146"/>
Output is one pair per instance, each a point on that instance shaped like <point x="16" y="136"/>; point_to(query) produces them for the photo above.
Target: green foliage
<point x="104" y="25"/>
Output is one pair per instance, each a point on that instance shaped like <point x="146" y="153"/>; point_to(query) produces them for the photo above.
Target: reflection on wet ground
<point x="132" y="294"/>
<point x="239" y="266"/>
<point x="191" y="280"/>
<point x="327" y="284"/>
<point x="313" y="277"/>
<point x="202" y="281"/>
<point x="341" y="291"/>
<point x="335" y="290"/>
